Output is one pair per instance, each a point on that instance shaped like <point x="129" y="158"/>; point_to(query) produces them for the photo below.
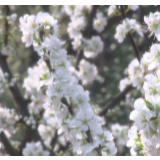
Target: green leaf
<point x="149" y="105"/>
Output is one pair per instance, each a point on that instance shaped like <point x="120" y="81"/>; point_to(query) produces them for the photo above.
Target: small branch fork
<point x="131" y="37"/>
<point x="8" y="147"/>
<point x="87" y="33"/>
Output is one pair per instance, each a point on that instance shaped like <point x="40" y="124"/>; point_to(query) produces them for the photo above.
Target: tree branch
<point x="122" y="94"/>
<point x="116" y="100"/>
<point x="53" y="143"/>
<point x="131" y="37"/>
<point x="9" y="148"/>
<point x="87" y="32"/>
<point x="134" y="47"/>
<point x="14" y="89"/>
<point x="111" y="22"/>
<point x="21" y="102"/>
<point x="63" y="148"/>
<point x="5" y="68"/>
<point x="79" y="56"/>
<point x="7" y="9"/>
<point x="46" y="8"/>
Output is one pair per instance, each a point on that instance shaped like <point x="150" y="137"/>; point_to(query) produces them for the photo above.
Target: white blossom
<point x="127" y="26"/>
<point x="100" y="22"/>
<point x="87" y="72"/>
<point x="153" y="23"/>
<point x="93" y="47"/>
<point x="34" y="149"/>
<point x="133" y="7"/>
<point x="112" y="10"/>
<point x="146" y="113"/>
<point x="119" y="133"/>
<point x="124" y="83"/>
<point x="7" y="119"/>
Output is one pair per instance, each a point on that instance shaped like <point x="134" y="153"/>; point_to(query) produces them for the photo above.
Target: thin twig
<point x="79" y="56"/>
<point x="7" y="9"/>
<point x="21" y="102"/>
<point x="116" y="100"/>
<point x="5" y="68"/>
<point x="134" y="47"/>
<point x="122" y="94"/>
<point x="53" y="143"/>
<point x="64" y="101"/>
<point x="90" y="140"/>
<point x="63" y="148"/>
<point x="131" y="37"/>
<point x="27" y="137"/>
<point x="87" y="32"/>
<point x="111" y="22"/>
<point x="8" y="147"/>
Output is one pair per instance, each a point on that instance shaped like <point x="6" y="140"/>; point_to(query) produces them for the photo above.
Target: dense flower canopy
<point x="66" y="102"/>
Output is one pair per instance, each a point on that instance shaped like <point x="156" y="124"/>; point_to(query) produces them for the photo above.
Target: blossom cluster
<point x="4" y="81"/>
<point x="100" y="22"/>
<point x="146" y="113"/>
<point x="113" y="9"/>
<point x="153" y="23"/>
<point x="90" y="47"/>
<point x="8" y="118"/>
<point x="127" y="25"/>
<point x="144" y="134"/>
<point x="59" y="107"/>
<point x="65" y="97"/>
<point x="133" y="7"/>
<point x="35" y="87"/>
<point x="37" y="78"/>
<point x="34" y="149"/>
<point x="137" y="71"/>
<point x="78" y="24"/>
<point x="144" y="76"/>
<point x="119" y="133"/>
<point x="87" y="72"/>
